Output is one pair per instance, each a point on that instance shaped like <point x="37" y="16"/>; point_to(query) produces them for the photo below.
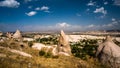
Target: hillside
<point x="9" y="59"/>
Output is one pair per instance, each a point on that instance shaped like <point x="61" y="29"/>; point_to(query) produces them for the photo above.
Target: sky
<point x="53" y="15"/>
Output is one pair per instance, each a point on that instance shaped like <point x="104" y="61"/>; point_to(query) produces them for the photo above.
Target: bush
<point x="30" y="44"/>
<point x="45" y="54"/>
<point x="48" y="55"/>
<point x="41" y="53"/>
<point x="49" y="40"/>
<point x="84" y="48"/>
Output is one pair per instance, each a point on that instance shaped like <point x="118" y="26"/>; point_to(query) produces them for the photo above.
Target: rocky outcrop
<point x="9" y="35"/>
<point x="109" y="53"/>
<point x="63" y="47"/>
<point x="17" y="35"/>
<point x="38" y="46"/>
<point x="63" y="44"/>
<point x="16" y="52"/>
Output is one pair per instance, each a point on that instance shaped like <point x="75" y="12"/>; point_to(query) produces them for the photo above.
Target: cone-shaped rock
<point x="8" y="35"/>
<point x="17" y="35"/>
<point x="109" y="53"/>
<point x="63" y="45"/>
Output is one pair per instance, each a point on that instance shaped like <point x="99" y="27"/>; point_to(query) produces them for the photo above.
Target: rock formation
<point x="38" y="46"/>
<point x="63" y="45"/>
<point x="9" y="35"/>
<point x="109" y="53"/>
<point x="17" y="35"/>
<point x="1" y="33"/>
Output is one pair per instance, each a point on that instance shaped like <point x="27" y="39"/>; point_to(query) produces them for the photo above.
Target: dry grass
<point x="16" y="61"/>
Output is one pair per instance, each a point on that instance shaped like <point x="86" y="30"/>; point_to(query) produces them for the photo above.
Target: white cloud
<point x="107" y="25"/>
<point x="54" y="27"/>
<point x="91" y="26"/>
<point x="9" y="3"/>
<point x="113" y="25"/>
<point x="62" y="25"/>
<point x="38" y="8"/>
<point x="100" y="10"/>
<point x="45" y="8"/>
<point x="117" y="2"/>
<point x="91" y="3"/>
<point x="31" y="13"/>
<point x="66" y="26"/>
<point x="113" y="19"/>
<point x="105" y="3"/>
<point x="72" y="27"/>
<point x="110" y="25"/>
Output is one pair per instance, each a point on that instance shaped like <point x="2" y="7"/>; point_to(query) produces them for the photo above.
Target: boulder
<point x="109" y="53"/>
<point x="38" y="46"/>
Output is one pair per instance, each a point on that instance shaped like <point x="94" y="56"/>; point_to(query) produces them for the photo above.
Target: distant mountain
<point x="117" y="30"/>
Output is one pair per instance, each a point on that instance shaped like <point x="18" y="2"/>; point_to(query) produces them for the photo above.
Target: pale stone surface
<point x="21" y="53"/>
<point x="63" y="45"/>
<point x="17" y="35"/>
<point x="38" y="46"/>
<point x="17" y="52"/>
<point x="76" y="38"/>
<point x="28" y="39"/>
<point x="117" y="39"/>
<point x="9" y="35"/>
<point x="109" y="53"/>
<point x="37" y="36"/>
<point x="46" y="48"/>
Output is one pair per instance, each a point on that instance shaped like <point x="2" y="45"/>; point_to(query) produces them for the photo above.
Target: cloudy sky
<point x="50" y="15"/>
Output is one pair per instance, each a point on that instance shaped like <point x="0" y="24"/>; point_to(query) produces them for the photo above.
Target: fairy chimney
<point x="9" y="35"/>
<point x="63" y="45"/>
<point x="109" y="53"/>
<point x="17" y="35"/>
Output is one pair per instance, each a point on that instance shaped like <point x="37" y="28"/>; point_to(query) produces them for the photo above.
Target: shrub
<point x="84" y="48"/>
<point x="42" y="53"/>
<point x="49" y="40"/>
<point x="48" y="55"/>
<point x="30" y="44"/>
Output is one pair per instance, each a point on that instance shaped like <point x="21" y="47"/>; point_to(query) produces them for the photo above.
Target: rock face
<point x="17" y="35"/>
<point x="109" y="53"/>
<point x="63" y="45"/>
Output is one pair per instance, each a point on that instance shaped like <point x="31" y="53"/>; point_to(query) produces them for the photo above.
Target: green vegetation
<point x="83" y="56"/>
<point x="84" y="48"/>
<point x="49" y="40"/>
<point x="42" y="53"/>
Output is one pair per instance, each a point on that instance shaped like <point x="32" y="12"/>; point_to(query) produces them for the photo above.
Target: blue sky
<point x="50" y="15"/>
